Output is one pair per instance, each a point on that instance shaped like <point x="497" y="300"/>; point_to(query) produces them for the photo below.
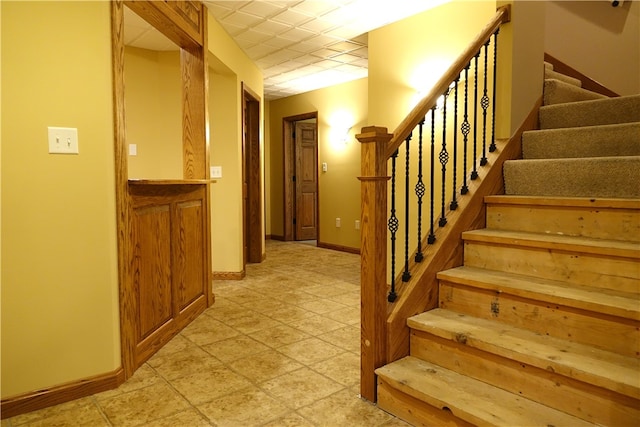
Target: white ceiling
<point x="300" y="45"/>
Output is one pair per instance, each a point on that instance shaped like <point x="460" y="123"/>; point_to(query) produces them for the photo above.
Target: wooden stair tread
<point x="469" y="399"/>
<point x="585" y="363"/>
<point x="555" y="241"/>
<point x="607" y="301"/>
<point x="599" y="203"/>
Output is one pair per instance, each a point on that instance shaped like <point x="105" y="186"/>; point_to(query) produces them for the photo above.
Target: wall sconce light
<point x="342" y="135"/>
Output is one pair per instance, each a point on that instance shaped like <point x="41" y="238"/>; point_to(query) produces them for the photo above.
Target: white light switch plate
<point x="216" y="172"/>
<point x="133" y="150"/>
<point x="63" y="140"/>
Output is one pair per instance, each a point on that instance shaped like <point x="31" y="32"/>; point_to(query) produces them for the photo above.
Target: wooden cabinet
<point x="169" y="264"/>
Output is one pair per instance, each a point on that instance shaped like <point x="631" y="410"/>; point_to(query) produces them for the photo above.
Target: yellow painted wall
<point x="521" y="68"/>
<point x="59" y="261"/>
<point x="341" y="106"/>
<point x="407" y="57"/>
<point x="153" y="102"/>
<point x="226" y="144"/>
<point x="598" y="40"/>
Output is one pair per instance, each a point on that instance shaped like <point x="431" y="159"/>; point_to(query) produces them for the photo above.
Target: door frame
<point x="289" y="167"/>
<point x="252" y="213"/>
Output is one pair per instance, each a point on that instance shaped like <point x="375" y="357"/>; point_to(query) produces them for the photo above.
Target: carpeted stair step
<point x="623" y="109"/>
<point x="550" y="74"/>
<point x="427" y="394"/>
<point x="548" y="66"/>
<point x="559" y="92"/>
<point x="621" y="139"/>
<point x="551" y="371"/>
<point x="608" y="177"/>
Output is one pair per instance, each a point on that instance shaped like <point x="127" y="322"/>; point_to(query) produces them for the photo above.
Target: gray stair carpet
<point x="590" y="141"/>
<point x="606" y="111"/>
<point x="550" y="74"/>
<point x="558" y="92"/>
<point x="604" y="177"/>
<point x="588" y="145"/>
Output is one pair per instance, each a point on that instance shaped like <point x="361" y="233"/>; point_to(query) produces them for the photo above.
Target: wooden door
<point x="306" y="159"/>
<point x="251" y="178"/>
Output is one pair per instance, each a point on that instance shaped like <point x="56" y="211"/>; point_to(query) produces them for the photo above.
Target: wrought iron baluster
<point x="444" y="158"/>
<point x="465" y="128"/>
<point x="484" y="103"/>
<point x="493" y="147"/>
<point x="432" y="236"/>
<point x="406" y="275"/>
<point x="420" y="190"/>
<point x="393" y="228"/>
<point x="474" y="173"/>
<point x="454" y="202"/>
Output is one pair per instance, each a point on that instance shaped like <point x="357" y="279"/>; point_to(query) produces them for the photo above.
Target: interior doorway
<point x="301" y="201"/>
<point x="251" y="178"/>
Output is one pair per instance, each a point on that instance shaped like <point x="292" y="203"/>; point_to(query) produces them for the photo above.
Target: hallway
<point x="279" y="348"/>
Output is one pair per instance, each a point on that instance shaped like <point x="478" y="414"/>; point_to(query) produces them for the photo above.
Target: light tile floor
<point x="279" y="348"/>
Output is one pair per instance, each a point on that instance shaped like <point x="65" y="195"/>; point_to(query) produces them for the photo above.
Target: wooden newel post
<point x="373" y="253"/>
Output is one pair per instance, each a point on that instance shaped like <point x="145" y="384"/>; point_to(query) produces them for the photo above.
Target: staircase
<point x="540" y="326"/>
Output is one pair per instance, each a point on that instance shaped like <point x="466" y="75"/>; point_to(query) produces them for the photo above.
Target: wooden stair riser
<point x="415" y="411"/>
<point x="596" y="270"/>
<point x="586" y="401"/>
<point x="613" y="224"/>
<point x="606" y="332"/>
<point x="466" y="398"/>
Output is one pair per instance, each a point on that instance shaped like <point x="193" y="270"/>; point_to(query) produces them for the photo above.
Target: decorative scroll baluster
<point x="432" y="236"/>
<point x="493" y="147"/>
<point x="454" y="202"/>
<point x="474" y="173"/>
<point x="465" y="128"/>
<point x="406" y="275"/>
<point x="484" y="103"/>
<point x="420" y="190"/>
<point x="444" y="158"/>
<point x="393" y="228"/>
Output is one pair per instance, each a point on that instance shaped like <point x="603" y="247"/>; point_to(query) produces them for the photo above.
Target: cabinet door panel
<point x="152" y="268"/>
<point x="189" y="254"/>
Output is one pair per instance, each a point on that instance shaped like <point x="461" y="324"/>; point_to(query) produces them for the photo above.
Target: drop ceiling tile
<point x="325" y="53"/>
<point x="278" y="42"/>
<point x="262" y="8"/>
<point x="303" y="47"/>
<point x="290" y="17"/>
<point x="242" y="19"/>
<point x="321" y="40"/>
<point x="345" y="46"/>
<point x="232" y="29"/>
<point x="315" y="8"/>
<point x="361" y="63"/>
<point x="351" y="69"/>
<point x="342" y="32"/>
<point x="363" y="52"/>
<point x="252" y="36"/>
<point x="327" y="64"/>
<point x="345" y="58"/>
<point x="318" y="25"/>
<point x="271" y="27"/>
<point x="297" y="34"/>
<point x="346" y="14"/>
<point x="260" y="50"/>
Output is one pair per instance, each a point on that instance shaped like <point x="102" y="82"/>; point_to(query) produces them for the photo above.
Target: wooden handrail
<point x="503" y="15"/>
